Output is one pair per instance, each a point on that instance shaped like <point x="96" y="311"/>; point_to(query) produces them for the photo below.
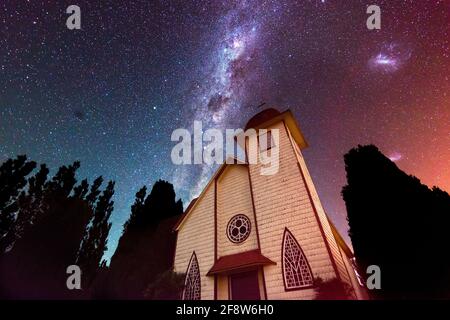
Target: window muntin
<point x="296" y="271"/>
<point x="192" y="284"/>
<point x="238" y="228"/>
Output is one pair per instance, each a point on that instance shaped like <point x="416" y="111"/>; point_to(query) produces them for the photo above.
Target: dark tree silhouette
<point x="137" y="210"/>
<point x="51" y="223"/>
<point x="36" y="265"/>
<point x="48" y="225"/>
<point x="91" y="198"/>
<point x="13" y="175"/>
<point x="29" y="206"/>
<point x="398" y="224"/>
<point x="80" y="191"/>
<point x="63" y="182"/>
<point x="147" y="244"/>
<point x="94" y="243"/>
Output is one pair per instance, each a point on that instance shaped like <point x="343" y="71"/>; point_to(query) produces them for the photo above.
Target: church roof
<point x="239" y="261"/>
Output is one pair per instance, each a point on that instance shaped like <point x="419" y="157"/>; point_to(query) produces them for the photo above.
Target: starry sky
<point x="111" y="94"/>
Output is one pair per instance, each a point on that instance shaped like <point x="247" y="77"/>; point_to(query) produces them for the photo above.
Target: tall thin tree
<point x="13" y="175"/>
<point x="94" y="243"/>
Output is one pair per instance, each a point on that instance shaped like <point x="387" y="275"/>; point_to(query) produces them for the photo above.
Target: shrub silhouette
<point x="168" y="285"/>
<point x="332" y="289"/>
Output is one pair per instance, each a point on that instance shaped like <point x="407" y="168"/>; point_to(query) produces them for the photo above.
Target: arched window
<point x="296" y="271"/>
<point x="192" y="281"/>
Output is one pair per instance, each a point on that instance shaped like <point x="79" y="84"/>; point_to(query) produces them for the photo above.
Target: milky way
<point x="111" y="94"/>
<point x="232" y="64"/>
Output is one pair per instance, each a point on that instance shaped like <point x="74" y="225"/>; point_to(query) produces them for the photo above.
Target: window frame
<point x="248" y="227"/>
<point x="290" y="288"/>
<point x="192" y="261"/>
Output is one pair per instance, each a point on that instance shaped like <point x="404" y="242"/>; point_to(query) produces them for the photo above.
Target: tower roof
<point x="270" y="116"/>
<point x="262" y="117"/>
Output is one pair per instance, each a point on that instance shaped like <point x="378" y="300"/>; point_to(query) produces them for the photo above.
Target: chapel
<point x="253" y="236"/>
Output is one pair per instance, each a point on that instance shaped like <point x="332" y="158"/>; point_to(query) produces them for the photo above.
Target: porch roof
<point x="239" y="261"/>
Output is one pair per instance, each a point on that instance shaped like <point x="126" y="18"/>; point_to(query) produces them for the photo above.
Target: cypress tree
<point x="398" y="224"/>
<point x="147" y="244"/>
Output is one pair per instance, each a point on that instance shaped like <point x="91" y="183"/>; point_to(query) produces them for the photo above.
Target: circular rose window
<point x="238" y="228"/>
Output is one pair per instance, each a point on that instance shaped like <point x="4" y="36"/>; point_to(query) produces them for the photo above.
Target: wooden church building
<point x="252" y="236"/>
